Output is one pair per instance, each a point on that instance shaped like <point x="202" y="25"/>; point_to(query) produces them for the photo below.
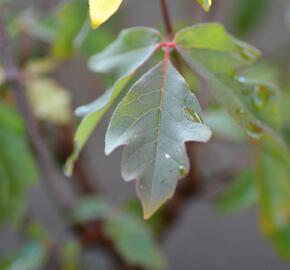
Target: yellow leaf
<point x="206" y="4"/>
<point x="102" y="10"/>
<point x="50" y="102"/>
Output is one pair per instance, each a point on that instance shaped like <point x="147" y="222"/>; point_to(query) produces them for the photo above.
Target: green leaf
<point x="222" y="125"/>
<point x="240" y="195"/>
<point x="129" y="234"/>
<point x="126" y="231"/>
<point x="206" y="4"/>
<point x="253" y="104"/>
<point x="122" y="58"/>
<point x="155" y="119"/>
<point x="71" y="18"/>
<point x="50" y="101"/>
<point x="273" y="186"/>
<point x="31" y="257"/>
<point x="17" y="168"/>
<point x="247" y="13"/>
<point x="209" y="47"/>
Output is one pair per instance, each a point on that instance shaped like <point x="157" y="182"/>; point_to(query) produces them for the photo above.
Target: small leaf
<point x="31" y="257"/>
<point x="206" y="4"/>
<point x="155" y="119"/>
<point x="102" y="10"/>
<point x="122" y="58"/>
<point x="50" y="101"/>
<point x="71" y="18"/>
<point x="126" y="231"/>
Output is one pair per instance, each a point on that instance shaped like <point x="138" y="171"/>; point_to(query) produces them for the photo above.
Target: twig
<point x="166" y="18"/>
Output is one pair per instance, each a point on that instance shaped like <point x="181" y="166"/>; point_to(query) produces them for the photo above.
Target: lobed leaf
<point x="122" y="58"/>
<point x="154" y="120"/>
<point x="102" y="10"/>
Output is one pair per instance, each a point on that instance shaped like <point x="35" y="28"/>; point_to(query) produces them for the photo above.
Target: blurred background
<point x="206" y="228"/>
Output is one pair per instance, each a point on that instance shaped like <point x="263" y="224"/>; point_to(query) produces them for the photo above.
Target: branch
<point x="48" y="172"/>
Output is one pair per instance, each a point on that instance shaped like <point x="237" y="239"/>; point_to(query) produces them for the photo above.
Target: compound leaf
<point x="122" y="58"/>
<point x="154" y="120"/>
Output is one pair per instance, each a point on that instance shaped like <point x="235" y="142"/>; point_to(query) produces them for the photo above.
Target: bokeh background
<point x="201" y="238"/>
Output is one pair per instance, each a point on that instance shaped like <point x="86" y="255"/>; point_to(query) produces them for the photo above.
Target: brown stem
<point x="43" y="158"/>
<point x="166" y="18"/>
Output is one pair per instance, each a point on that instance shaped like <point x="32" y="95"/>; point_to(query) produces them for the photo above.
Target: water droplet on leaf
<point x="167" y="156"/>
<point x="255" y="131"/>
<point x="192" y="115"/>
<point x="261" y="95"/>
<point x="249" y="53"/>
<point x="182" y="170"/>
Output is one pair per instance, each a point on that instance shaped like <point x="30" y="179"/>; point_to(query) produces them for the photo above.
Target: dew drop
<point x="167" y="156"/>
<point x="192" y="115"/>
<point x="239" y="111"/>
<point x="181" y="170"/>
<point x="261" y="95"/>
<point x="248" y="53"/>
<point x="255" y="131"/>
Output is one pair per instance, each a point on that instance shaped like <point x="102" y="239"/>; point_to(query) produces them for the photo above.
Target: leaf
<point x="273" y="185"/>
<point x="102" y="10"/>
<point x="30" y="257"/>
<point x="215" y="55"/>
<point x="208" y="47"/>
<point x="122" y="58"/>
<point x="125" y="230"/>
<point x="222" y="125"/>
<point x="128" y="233"/>
<point x="50" y="101"/>
<point x="71" y="18"/>
<point x="240" y="195"/>
<point x="17" y="168"/>
<point x="155" y="119"/>
<point x="206" y="4"/>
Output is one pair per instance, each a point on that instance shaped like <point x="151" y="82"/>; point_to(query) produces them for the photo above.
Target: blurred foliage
<point x="64" y="33"/>
<point x="14" y="153"/>
<point x="247" y="13"/>
<point x="126" y="231"/>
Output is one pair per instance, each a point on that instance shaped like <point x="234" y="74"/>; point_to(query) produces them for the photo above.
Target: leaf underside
<point x="154" y="120"/>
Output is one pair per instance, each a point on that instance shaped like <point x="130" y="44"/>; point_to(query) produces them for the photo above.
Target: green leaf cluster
<point x="159" y="113"/>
